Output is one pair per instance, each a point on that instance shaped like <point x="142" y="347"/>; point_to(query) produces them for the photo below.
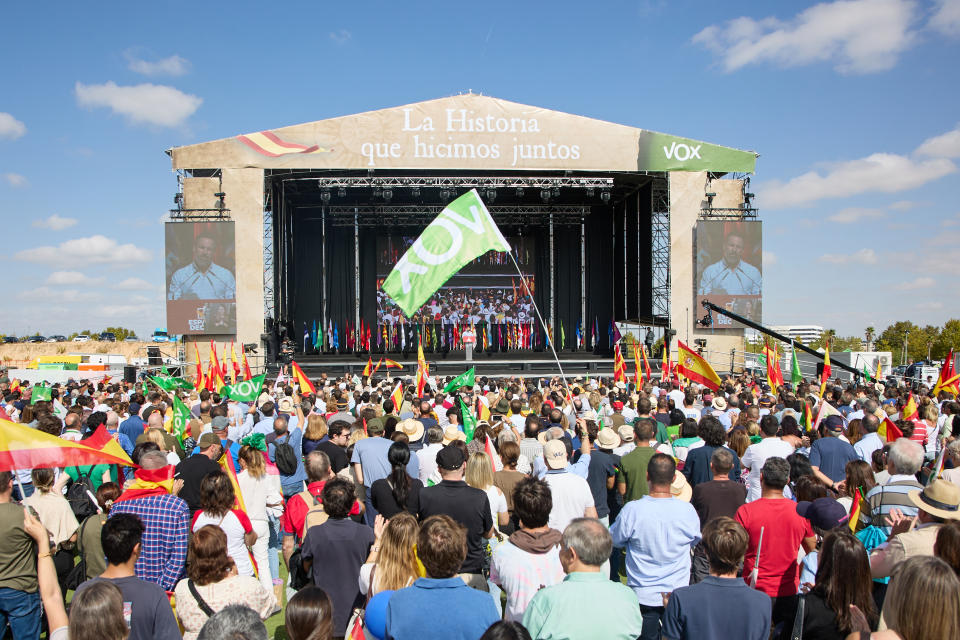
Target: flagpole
<point x="540" y="318"/>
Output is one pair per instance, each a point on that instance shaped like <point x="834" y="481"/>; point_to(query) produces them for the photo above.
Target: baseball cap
<point x="220" y="423"/>
<point x="833" y="423"/>
<point x="555" y="454"/>
<point x="450" y="458"/>
<point x="825" y="513"/>
<point x="207" y="440"/>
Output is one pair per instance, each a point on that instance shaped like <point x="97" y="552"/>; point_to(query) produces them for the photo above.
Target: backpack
<point x="300" y="577"/>
<point x="80" y="496"/>
<point x="286" y="457"/>
<point x="315" y="513"/>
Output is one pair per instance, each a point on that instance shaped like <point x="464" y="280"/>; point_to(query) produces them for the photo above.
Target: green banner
<point x="181" y="418"/>
<point x="169" y="384"/>
<point x="662" y="152"/>
<point x="469" y="422"/>
<point x="795" y="376"/>
<point x="245" y="391"/>
<point x="462" y="232"/>
<point x="40" y="393"/>
<point x="465" y="379"/>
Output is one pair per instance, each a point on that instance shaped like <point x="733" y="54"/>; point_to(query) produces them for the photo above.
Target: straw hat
<point x="940" y="498"/>
<point x="680" y="488"/>
<point x="413" y="428"/>
<point x="607" y="438"/>
<point x="451" y="433"/>
<point x="626" y="433"/>
<point x="719" y="403"/>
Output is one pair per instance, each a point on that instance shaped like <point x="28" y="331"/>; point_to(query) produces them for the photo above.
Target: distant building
<point x="805" y="333"/>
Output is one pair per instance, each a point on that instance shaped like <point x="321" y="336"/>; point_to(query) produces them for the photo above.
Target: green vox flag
<point x="461" y="233"/>
<point x="40" y="392"/>
<point x="866" y="374"/>
<point x="465" y="379"/>
<point x="795" y="376"/>
<point x="163" y="370"/>
<point x="181" y="418"/>
<point x="169" y="384"/>
<point x="469" y="422"/>
<point x="245" y="391"/>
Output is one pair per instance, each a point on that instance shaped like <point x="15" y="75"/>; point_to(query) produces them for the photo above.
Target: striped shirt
<point x="166" y="520"/>
<point x="883" y="498"/>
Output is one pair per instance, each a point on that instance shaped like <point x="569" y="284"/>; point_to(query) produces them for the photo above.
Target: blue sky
<point x="852" y="105"/>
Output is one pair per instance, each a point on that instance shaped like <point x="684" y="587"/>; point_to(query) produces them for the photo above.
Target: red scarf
<point x="152" y="482"/>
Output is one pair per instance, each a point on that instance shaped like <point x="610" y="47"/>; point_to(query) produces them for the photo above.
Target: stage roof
<point x="463" y="132"/>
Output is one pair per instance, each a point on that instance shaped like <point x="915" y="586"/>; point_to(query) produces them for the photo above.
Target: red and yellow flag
<point x="910" y="411"/>
<point x="423" y="370"/>
<point x="665" y="360"/>
<point x="619" y="365"/>
<point x="826" y="370"/>
<point x="392" y="364"/>
<point x="226" y="463"/>
<point x="397" y="397"/>
<point x="695" y="368"/>
<point x="948" y="380"/>
<point x="855" y="510"/>
<point x="199" y="382"/>
<point x="235" y="372"/>
<point x="24" y="448"/>
<point x="302" y="379"/>
<point x="246" y="367"/>
<point x="889" y="431"/>
<point x="368" y="370"/>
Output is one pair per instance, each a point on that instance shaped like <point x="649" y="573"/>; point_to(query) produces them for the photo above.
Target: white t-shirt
<point x="571" y="497"/>
<point x="498" y="503"/>
<point x="754" y="458"/>
<point x="677" y="396"/>
<point x="522" y="574"/>
<point x="235" y="523"/>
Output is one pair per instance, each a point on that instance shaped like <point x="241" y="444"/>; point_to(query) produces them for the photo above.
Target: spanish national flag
<point x="302" y="379"/>
<point x="422" y="370"/>
<point x="695" y="368"/>
<point x="367" y="370"/>
<point x="24" y="448"/>
<point x="619" y="365"/>
<point x="397" y="397"/>
<point x="889" y="431"/>
<point x="199" y="381"/>
<point x="826" y="370"/>
<point x="910" y="409"/>
<point x="855" y="509"/>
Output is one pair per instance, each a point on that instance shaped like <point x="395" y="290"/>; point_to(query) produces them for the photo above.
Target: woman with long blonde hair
<point x="315" y="432"/>
<point x="392" y="563"/>
<point x="261" y="493"/>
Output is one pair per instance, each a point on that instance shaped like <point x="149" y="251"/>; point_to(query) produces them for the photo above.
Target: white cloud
<point x="858" y="36"/>
<point x="340" y="37"/>
<point x="172" y="66"/>
<point x="929" y="306"/>
<point x="946" y="19"/>
<point x="905" y="205"/>
<point x="10" y="127"/>
<point x="855" y="214"/>
<point x="923" y="282"/>
<point x="71" y="278"/>
<point x="769" y="259"/>
<point x="55" y="223"/>
<point x="143" y="103"/>
<point x="883" y="172"/>
<point x="49" y="295"/>
<point x="93" y="250"/>
<point x="863" y="256"/>
<point x="134" y="284"/>
<point x="15" y="180"/>
<point x="946" y="145"/>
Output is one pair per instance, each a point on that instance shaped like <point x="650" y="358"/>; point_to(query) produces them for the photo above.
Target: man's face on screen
<point x="732" y="250"/>
<point x="203" y="253"/>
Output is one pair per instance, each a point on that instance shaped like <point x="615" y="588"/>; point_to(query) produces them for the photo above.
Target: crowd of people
<point x="593" y="510"/>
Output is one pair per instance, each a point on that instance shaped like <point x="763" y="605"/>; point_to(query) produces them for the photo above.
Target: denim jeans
<point x="370" y="514"/>
<point x="652" y="617"/>
<point x="274" y="546"/>
<point x="22" y="611"/>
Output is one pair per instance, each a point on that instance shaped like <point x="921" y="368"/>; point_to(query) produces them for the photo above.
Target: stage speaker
<point x="153" y="356"/>
<point x="130" y="373"/>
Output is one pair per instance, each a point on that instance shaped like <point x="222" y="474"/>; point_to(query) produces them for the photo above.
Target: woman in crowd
<point x="739" y="441"/>
<point x="156" y="437"/>
<point x="260" y="491"/>
<point x="57" y="517"/>
<point x="392" y="563"/>
<point x="90" y="547"/>
<point x="309" y="615"/>
<point x="854" y="430"/>
<point x="212" y="583"/>
<point x="953" y="454"/>
<point x="398" y="491"/>
<point x="508" y="477"/>
<point x="843" y="579"/>
<point x="859" y="476"/>
<point x="315" y="432"/>
<point x="217" y="501"/>
<point x="947" y="546"/>
<point x="479" y="475"/>
<point x="688" y="439"/>
<point x="922" y="603"/>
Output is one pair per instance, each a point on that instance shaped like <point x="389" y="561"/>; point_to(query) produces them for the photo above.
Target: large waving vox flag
<point x="462" y="232"/>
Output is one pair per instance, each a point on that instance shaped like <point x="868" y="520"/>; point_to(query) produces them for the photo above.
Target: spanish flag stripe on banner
<point x="268" y="144"/>
<point x="302" y="379"/>
<point x="25" y="448"/>
<point x="692" y="366"/>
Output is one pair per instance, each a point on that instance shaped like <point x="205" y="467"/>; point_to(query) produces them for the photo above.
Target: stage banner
<point x="463" y="231"/>
<point x="730" y="268"/>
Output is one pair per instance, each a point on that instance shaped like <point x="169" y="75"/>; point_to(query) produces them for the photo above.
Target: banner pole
<point x="540" y="317"/>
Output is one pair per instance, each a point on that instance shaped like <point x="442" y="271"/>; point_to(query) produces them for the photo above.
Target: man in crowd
<point x="829" y="455"/>
<point x="530" y="446"/>
<point x="773" y="568"/>
<point x="698" y="465"/>
<point x="165" y="517"/>
<point x="721" y="606"/>
<point x="196" y="467"/>
<point x="903" y="462"/>
<point x="632" y="476"/>
<point x="571" y="493"/>
<point x="658" y="532"/>
<point x="720" y="497"/>
<point x="467" y="506"/>
<point x="19" y="598"/>
<point x="530" y="559"/>
<point x="370" y="462"/>
<point x="602" y="473"/>
<point x="756" y="454"/>
<point x="440" y="606"/>
<point x="427" y="457"/>
<point x="335" y="446"/>
<point x="871" y="441"/>
<point x="146" y="605"/>
<point x="290" y="483"/>
<point x="586" y="605"/>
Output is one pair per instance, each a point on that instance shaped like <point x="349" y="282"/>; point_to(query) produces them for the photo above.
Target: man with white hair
<point x="903" y="462"/>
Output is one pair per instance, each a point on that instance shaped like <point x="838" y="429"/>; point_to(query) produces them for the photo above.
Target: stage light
<point x="325" y="196"/>
<point x="388" y="194"/>
<point x="415" y="192"/>
<point x="491" y="195"/>
<point x="376" y="192"/>
<point x="605" y="196"/>
<point x="341" y="193"/>
<point x="710" y="194"/>
<point x="519" y="192"/>
<point x="545" y="195"/>
<point x="219" y="204"/>
<point x="556" y="192"/>
<point x="445" y="195"/>
<point x="590" y="192"/>
<point x="178" y="200"/>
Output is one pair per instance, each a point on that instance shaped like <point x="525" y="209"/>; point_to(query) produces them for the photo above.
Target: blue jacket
<point x="439" y="609"/>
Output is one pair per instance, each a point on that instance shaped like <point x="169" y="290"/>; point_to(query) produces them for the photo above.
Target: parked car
<point x="82" y="338"/>
<point x="35" y="339"/>
<point x="9" y="339"/>
<point x="131" y="339"/>
<point x="56" y="338"/>
<point x="161" y="335"/>
<point x="107" y="336"/>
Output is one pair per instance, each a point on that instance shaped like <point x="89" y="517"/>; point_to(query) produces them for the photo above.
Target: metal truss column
<point x="660" y="251"/>
<point x="269" y="306"/>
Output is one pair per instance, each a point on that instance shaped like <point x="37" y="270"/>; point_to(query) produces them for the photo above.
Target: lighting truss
<point x="464" y="182"/>
<point x="419" y="215"/>
<point x="727" y="213"/>
<point x="660" y="250"/>
<point x="268" y="300"/>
